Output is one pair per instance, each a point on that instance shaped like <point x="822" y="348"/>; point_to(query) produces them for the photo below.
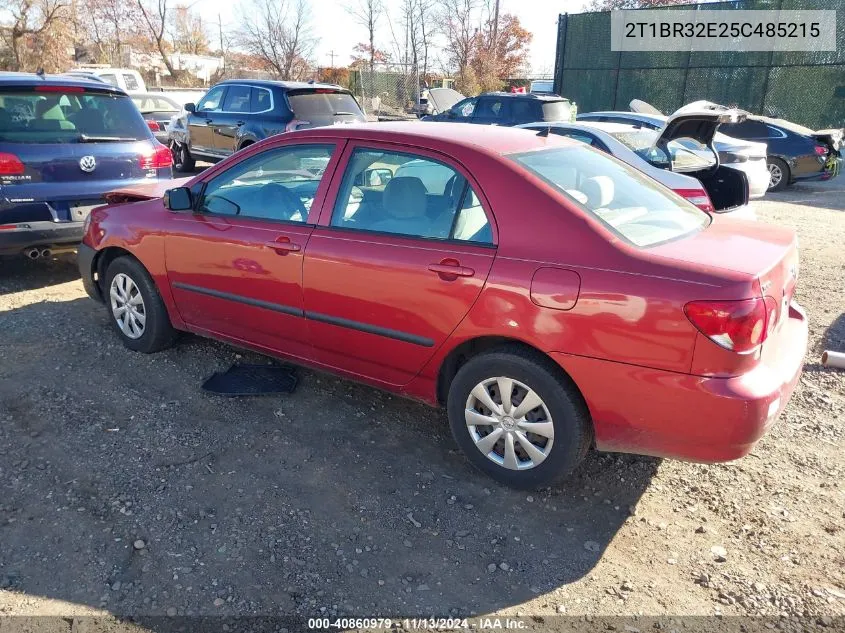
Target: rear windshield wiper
<point x="85" y="138"/>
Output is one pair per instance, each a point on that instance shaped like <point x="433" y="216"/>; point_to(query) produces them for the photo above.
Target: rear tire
<point x="506" y="450"/>
<point x="135" y="308"/>
<point x="779" y="174"/>
<point x="183" y="162"/>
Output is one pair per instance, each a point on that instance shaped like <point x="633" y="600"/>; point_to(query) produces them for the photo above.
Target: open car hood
<point x="443" y="98"/>
<point x="146" y="191"/>
<point x="642" y="107"/>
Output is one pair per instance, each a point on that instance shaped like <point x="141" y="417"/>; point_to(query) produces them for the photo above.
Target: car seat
<point x="50" y="116"/>
<point x="404" y="205"/>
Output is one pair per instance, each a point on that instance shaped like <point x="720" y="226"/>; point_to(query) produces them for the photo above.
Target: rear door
<point x="201" y="122"/>
<point x="389" y="277"/>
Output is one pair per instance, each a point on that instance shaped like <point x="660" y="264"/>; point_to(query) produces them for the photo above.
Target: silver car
<point x="682" y="164"/>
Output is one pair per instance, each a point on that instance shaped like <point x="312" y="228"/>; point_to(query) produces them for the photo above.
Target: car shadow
<point x="833" y="340"/>
<point x="17" y="273"/>
<point x="124" y="487"/>
<point x="828" y="195"/>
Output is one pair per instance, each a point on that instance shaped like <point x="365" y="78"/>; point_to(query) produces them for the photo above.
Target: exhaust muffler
<point x="833" y="359"/>
<point x="33" y="253"/>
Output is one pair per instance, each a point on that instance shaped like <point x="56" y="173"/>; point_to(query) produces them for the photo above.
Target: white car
<point x="748" y="157"/>
<point x="679" y="157"/>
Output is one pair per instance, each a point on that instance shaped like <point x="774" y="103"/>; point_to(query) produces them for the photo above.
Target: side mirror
<point x="191" y="107"/>
<point x="178" y="199"/>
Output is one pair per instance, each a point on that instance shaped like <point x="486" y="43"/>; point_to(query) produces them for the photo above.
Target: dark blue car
<point x="64" y="143"/>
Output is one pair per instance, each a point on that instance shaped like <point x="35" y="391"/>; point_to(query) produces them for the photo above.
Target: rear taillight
<point x="820" y="150"/>
<point x="158" y="158"/>
<point x="295" y="125"/>
<point x="10" y="165"/>
<point x="63" y="89"/>
<point x="738" y="326"/>
<point x="153" y="125"/>
<point x="698" y="197"/>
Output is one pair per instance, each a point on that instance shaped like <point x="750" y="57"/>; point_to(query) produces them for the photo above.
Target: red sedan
<point x="549" y="296"/>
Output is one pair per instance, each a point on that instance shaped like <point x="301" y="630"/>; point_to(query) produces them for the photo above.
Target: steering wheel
<point x="279" y="202"/>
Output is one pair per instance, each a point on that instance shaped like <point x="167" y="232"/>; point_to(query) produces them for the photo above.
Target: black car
<point x="794" y="151"/>
<point x="237" y="113"/>
<point x="500" y="108"/>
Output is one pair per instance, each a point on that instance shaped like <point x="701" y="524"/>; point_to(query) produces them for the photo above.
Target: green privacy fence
<point x="805" y="87"/>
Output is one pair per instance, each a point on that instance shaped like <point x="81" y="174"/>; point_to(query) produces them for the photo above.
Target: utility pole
<point x="331" y="54"/>
<point x="222" y="50"/>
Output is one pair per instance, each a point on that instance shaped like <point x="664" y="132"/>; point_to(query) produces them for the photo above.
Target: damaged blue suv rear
<point x="64" y="143"/>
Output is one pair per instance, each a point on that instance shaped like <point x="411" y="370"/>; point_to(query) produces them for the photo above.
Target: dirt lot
<point x="126" y="490"/>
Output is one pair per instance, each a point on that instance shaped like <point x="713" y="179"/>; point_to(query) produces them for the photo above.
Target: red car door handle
<point x="454" y="270"/>
<point x="283" y="247"/>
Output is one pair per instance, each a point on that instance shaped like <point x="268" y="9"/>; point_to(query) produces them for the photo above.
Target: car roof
<point x="525" y="95"/>
<point x="489" y="139"/>
<point x="634" y="116"/>
<point x="31" y="80"/>
<point x="284" y="85"/>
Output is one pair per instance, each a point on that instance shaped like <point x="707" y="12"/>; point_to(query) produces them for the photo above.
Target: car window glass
<point x="584" y="138"/>
<point x="259" y="100"/>
<point x="279" y="184"/>
<point x="492" y="110"/>
<point x="557" y="111"/>
<point x="237" y="99"/>
<point x="211" y="101"/>
<point x="524" y="111"/>
<point x="463" y="109"/>
<point x="109" y="78"/>
<point x="412" y="195"/>
<point x="131" y="81"/>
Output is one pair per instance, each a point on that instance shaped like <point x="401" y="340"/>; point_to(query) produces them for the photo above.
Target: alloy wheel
<point x="127" y="306"/>
<point x="509" y="423"/>
<point x="775" y="175"/>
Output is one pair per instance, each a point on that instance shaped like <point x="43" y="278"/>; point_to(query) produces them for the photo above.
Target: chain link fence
<point x="388" y="92"/>
<point x="805" y="87"/>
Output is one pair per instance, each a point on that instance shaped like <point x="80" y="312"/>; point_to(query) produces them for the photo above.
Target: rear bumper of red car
<point x="696" y="418"/>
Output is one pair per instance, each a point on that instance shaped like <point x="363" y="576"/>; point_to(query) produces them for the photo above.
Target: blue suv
<point x="64" y="143"/>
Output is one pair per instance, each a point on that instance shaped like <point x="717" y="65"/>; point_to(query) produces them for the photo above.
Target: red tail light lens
<point x="10" y="165"/>
<point x="698" y="197"/>
<point x="48" y="88"/>
<point x="295" y="124"/>
<point x="820" y="150"/>
<point x="153" y="125"/>
<point x="738" y="326"/>
<point x="158" y="158"/>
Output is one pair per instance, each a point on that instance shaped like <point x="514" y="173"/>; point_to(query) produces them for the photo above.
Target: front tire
<point x="183" y="162"/>
<point x="518" y="418"/>
<point x="135" y="308"/>
<point x="779" y="174"/>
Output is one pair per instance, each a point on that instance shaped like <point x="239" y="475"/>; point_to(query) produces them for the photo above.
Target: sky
<point x="339" y="33"/>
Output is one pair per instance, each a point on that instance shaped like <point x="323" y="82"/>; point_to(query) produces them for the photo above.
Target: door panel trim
<point x="370" y="329"/>
<point x="314" y="316"/>
<point x="219" y="294"/>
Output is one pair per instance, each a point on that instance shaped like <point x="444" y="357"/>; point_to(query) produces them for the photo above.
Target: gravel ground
<point x="126" y="490"/>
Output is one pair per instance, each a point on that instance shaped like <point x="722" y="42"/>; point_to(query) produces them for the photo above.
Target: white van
<point x="126" y="79"/>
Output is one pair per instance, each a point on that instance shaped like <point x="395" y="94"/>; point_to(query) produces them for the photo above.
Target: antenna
<point x="545" y="131"/>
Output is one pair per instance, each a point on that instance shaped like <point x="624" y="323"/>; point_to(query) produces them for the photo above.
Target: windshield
<point x="148" y="104"/>
<point x="632" y="205"/>
<point x="685" y="154"/>
<point x="59" y="115"/>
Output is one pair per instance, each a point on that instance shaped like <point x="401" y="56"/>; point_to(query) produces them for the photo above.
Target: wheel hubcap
<point x="509" y="423"/>
<point x="127" y="306"/>
<point x="775" y="175"/>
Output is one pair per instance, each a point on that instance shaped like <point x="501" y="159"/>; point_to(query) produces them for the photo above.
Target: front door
<point x="235" y="264"/>
<point x="228" y="122"/>
<point x="201" y="122"/>
<point x="395" y="263"/>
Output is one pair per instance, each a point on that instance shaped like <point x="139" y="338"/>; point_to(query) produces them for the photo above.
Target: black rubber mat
<point x="252" y="380"/>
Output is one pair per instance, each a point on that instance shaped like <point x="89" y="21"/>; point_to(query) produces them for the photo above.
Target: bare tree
<point x="418" y="18"/>
<point x="29" y="19"/>
<point x="108" y="25"/>
<point x="279" y="33"/>
<point x="458" y="23"/>
<point x="368" y="13"/>
<point x="188" y="33"/>
<point x="155" y="18"/>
